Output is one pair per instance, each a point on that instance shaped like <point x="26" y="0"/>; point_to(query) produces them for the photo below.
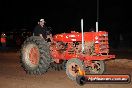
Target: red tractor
<point x="70" y="51"/>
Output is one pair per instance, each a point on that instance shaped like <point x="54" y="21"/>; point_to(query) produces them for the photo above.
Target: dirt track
<point x="13" y="76"/>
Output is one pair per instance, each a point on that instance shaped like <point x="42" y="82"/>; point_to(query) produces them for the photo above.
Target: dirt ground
<point x="12" y="75"/>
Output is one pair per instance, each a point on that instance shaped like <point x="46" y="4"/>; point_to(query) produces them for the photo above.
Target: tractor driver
<point x="41" y="30"/>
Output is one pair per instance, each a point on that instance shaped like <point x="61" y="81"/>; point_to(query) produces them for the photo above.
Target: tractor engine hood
<point x="76" y="36"/>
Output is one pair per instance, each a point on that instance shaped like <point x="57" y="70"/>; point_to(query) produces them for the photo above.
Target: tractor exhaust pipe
<point x="97" y="23"/>
<point x="97" y="28"/>
<point x="82" y="35"/>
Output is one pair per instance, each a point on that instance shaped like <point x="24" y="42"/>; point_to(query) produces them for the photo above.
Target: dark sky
<point x="61" y="15"/>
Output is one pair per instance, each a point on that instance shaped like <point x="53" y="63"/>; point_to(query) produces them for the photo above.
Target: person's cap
<point x="42" y="20"/>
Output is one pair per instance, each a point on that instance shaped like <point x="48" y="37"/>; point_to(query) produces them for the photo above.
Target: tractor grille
<point x="103" y="43"/>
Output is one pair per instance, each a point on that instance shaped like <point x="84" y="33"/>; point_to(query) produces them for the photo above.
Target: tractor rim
<point x="31" y="55"/>
<point x="73" y="69"/>
<point x="96" y="67"/>
<point x="34" y="55"/>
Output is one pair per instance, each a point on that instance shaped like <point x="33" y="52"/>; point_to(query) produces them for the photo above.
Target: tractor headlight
<point x="105" y="34"/>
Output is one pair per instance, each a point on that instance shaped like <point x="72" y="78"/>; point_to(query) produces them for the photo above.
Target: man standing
<point x="3" y="40"/>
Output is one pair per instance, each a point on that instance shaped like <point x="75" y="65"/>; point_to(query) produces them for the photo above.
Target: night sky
<point x="114" y="15"/>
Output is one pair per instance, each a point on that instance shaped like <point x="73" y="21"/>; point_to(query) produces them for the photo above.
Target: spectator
<point x="3" y="39"/>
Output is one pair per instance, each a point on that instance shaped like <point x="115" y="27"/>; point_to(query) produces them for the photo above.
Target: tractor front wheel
<point x="97" y="67"/>
<point x="73" y="68"/>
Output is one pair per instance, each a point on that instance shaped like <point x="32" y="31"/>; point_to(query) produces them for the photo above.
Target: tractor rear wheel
<point x="35" y="55"/>
<point x="97" y="67"/>
<point x="73" y="66"/>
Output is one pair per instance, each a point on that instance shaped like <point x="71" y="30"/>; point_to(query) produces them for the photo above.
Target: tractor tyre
<point x="58" y="66"/>
<point x="97" y="68"/>
<point x="73" y="66"/>
<point x="35" y="55"/>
